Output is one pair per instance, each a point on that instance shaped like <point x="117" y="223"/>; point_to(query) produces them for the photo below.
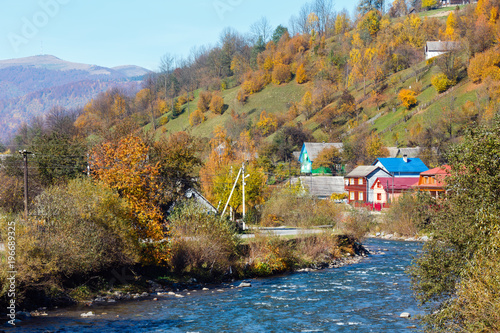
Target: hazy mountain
<point x="31" y="86"/>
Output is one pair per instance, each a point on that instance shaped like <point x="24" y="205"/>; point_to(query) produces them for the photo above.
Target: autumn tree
<point x="361" y="62"/>
<point x="267" y="123"/>
<point x="374" y="147"/>
<point x="221" y="154"/>
<point x="407" y="98"/>
<point x="329" y="158"/>
<point x="429" y="4"/>
<point x="254" y="186"/>
<point x="124" y="166"/>
<point x="178" y="159"/>
<point x="204" y="99"/>
<point x="217" y="104"/>
<point x="281" y="74"/>
<point x="306" y="105"/>
<point x="301" y="74"/>
<point x="196" y="118"/>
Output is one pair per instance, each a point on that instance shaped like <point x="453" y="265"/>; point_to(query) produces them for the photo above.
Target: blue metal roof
<point x="398" y="165"/>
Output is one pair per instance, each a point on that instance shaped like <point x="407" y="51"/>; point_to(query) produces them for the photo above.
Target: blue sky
<point x="130" y="32"/>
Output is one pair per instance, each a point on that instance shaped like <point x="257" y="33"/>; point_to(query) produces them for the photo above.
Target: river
<point x="364" y="297"/>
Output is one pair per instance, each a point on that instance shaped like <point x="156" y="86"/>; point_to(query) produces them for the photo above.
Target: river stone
<point x="245" y="284"/>
<point x="87" y="314"/>
<point x="405" y="315"/>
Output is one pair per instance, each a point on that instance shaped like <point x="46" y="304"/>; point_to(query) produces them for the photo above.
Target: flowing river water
<point x="368" y="296"/>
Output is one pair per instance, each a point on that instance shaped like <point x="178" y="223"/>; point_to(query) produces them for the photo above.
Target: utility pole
<point x="25" y="159"/>
<point x="243" y="186"/>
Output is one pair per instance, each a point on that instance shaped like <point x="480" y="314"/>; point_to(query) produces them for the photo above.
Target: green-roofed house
<point x="309" y="152"/>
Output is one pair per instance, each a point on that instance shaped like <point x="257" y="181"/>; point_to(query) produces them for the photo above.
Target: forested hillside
<point x="363" y="80"/>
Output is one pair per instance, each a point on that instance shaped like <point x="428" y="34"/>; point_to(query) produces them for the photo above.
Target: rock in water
<point x="245" y="284"/>
<point x="405" y="315"/>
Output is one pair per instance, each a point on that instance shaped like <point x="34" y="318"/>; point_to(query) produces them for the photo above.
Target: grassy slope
<point x="273" y="99"/>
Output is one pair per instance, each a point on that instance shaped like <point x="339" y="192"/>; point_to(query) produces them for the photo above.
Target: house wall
<point x="355" y="189"/>
<point x="379" y="192"/>
<point x="432" y="54"/>
<point x="371" y="178"/>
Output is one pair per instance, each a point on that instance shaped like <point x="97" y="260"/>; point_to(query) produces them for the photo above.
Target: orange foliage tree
<point x="281" y="74"/>
<point x="124" y="166"/>
<point x="217" y="103"/>
<point x="221" y="154"/>
<point x="204" y="101"/>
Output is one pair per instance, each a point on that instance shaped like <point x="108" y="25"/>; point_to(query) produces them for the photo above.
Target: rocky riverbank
<point x="395" y="236"/>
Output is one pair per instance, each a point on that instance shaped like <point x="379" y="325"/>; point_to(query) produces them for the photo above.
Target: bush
<point x="281" y="74"/>
<point x="407" y="98"/>
<point x="441" y="82"/>
<point x="255" y="82"/>
<point x="356" y="223"/>
<point x="291" y="207"/>
<point x="217" y="104"/>
<point x="196" y="118"/>
<point x="270" y="255"/>
<point x="204" y="101"/>
<point x="202" y="244"/>
<point x="409" y="214"/>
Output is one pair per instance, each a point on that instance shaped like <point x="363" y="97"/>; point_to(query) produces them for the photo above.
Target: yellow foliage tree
<point x="484" y="64"/>
<point x="451" y="25"/>
<point x="301" y="75"/>
<point x="306" y="105"/>
<point x="408" y="98"/>
<point x="196" y="118"/>
<point x="361" y="62"/>
<point x="374" y="147"/>
<point x="267" y="123"/>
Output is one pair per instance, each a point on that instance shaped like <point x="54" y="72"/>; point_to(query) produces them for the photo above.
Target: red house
<point x="359" y="181"/>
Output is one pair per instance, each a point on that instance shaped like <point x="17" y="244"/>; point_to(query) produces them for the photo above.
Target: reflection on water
<point x="364" y="297"/>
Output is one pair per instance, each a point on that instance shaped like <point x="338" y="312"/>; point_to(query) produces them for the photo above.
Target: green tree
<point x="453" y="261"/>
<point x="278" y="33"/>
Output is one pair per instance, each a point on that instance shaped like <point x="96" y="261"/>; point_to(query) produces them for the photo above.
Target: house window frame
<point x="360" y="181"/>
<point x="361" y="196"/>
<point x="379" y="196"/>
<point x="352" y="196"/>
<point x="351" y="181"/>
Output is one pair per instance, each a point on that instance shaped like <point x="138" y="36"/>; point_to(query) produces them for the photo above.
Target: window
<point x="351" y="181"/>
<point x="351" y="195"/>
<point x="379" y="196"/>
<point x="360" y="181"/>
<point x="426" y="180"/>
<point x="360" y="196"/>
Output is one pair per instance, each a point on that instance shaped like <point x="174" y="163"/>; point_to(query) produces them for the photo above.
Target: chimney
<point x="405" y="158"/>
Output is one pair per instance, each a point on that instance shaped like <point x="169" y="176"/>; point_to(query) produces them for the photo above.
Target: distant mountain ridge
<point x="33" y="85"/>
